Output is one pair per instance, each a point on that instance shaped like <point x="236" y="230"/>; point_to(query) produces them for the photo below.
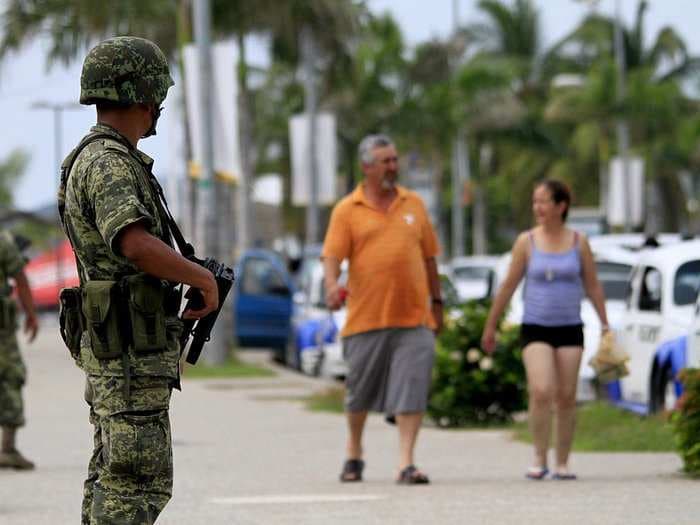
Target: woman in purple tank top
<point x="558" y="268"/>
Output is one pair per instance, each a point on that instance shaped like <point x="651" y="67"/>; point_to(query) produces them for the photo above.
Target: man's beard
<point x="389" y="183"/>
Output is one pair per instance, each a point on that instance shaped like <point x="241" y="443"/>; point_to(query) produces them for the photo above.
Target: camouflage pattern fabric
<point x="12" y="370"/>
<point x="107" y="190"/>
<point x="126" y="70"/>
<point x="130" y="474"/>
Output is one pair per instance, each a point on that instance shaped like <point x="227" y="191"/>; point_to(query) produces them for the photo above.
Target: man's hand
<point x="210" y="297"/>
<point x="439" y="317"/>
<point x="335" y="296"/>
<point x="31" y="326"/>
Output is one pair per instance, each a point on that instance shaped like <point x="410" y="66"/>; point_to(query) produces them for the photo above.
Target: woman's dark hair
<point x="560" y="193"/>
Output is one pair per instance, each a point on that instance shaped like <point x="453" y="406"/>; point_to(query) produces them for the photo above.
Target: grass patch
<point x="233" y="367"/>
<point x="328" y="400"/>
<point x="603" y="428"/>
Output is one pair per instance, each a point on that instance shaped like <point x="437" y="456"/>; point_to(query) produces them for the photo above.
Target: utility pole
<point x="57" y="108"/>
<point x="460" y="161"/>
<point x="621" y="128"/>
<point x="208" y="201"/>
<point x="308" y="49"/>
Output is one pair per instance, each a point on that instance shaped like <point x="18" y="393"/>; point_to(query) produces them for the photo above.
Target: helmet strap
<point x="155" y="115"/>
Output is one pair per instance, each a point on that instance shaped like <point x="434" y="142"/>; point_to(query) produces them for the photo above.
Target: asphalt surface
<point x="248" y="452"/>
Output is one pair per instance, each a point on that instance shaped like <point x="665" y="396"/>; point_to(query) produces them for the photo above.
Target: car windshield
<point x="472" y="273"/>
<point x="687" y="283"/>
<point x="615" y="278"/>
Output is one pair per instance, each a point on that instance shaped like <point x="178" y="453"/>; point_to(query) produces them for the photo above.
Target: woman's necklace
<point x="549" y="274"/>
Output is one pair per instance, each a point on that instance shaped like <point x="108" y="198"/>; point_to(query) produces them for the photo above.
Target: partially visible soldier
<point x="12" y="370"/>
<point x="128" y="275"/>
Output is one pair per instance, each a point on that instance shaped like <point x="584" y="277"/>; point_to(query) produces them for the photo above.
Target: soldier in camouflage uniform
<point x="110" y="213"/>
<point x="12" y="370"/>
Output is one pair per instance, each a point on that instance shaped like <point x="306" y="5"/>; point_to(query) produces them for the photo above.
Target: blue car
<point x="263" y="303"/>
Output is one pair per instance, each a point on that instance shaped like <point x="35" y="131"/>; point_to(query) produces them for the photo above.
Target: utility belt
<point x="118" y="315"/>
<point x="8" y="314"/>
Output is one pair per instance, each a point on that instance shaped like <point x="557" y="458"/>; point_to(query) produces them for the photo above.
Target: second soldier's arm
<point x="152" y="256"/>
<point x="31" y="323"/>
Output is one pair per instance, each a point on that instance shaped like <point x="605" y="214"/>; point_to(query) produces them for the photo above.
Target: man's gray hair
<point x="369" y="143"/>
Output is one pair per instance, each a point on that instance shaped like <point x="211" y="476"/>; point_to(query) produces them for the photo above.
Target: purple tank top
<point x="553" y="287"/>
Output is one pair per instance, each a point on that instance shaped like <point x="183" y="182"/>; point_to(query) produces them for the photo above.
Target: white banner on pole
<point x="327" y="159"/>
<point x="227" y="159"/>
<point x="623" y="193"/>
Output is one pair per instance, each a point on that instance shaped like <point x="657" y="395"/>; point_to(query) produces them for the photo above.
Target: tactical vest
<point x="123" y="316"/>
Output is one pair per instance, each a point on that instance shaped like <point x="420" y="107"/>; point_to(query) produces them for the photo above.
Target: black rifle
<point x="200" y="330"/>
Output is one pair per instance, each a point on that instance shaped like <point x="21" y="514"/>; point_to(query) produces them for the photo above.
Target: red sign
<point x="50" y="271"/>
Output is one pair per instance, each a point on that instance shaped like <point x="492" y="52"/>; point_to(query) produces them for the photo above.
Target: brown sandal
<point x="412" y="476"/>
<point x="352" y="470"/>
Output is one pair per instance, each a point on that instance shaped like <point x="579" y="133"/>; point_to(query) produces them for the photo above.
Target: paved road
<point x="247" y="452"/>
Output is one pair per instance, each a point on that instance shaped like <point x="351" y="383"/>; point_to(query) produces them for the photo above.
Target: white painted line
<point x="301" y="498"/>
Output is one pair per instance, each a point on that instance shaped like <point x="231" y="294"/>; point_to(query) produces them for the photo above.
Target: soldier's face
<point x="154" y="112"/>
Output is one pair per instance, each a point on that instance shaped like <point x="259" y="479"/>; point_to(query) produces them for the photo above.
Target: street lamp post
<point x="621" y="127"/>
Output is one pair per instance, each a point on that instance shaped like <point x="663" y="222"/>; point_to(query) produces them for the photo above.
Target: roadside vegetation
<point x="231" y="368"/>
<point x="604" y="428"/>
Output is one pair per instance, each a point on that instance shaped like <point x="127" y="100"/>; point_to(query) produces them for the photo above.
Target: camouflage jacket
<point x="11" y="262"/>
<point x="108" y="189"/>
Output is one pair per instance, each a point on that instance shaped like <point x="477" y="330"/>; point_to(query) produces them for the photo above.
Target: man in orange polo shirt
<point x="393" y="300"/>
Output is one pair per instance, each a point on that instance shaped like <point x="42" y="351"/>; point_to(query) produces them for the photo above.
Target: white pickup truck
<point x="661" y="312"/>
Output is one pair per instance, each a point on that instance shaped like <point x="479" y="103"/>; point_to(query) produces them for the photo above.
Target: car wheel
<point x="291" y="356"/>
<point x="663" y="394"/>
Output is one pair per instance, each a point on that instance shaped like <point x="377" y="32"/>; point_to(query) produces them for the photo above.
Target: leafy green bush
<point x="470" y="387"/>
<point x="686" y="422"/>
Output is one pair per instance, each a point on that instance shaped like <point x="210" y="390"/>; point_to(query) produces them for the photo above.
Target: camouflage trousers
<point x="130" y="475"/>
<point x="12" y="378"/>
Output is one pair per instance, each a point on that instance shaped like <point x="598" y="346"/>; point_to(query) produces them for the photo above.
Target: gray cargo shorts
<point x="389" y="370"/>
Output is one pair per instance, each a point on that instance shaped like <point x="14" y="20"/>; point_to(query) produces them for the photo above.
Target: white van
<point x="654" y="330"/>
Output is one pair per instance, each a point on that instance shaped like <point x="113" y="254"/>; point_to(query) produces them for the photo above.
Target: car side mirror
<point x="279" y="289"/>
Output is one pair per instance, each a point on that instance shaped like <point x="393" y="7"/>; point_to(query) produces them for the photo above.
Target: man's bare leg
<point x="409" y="425"/>
<point x="356" y="426"/>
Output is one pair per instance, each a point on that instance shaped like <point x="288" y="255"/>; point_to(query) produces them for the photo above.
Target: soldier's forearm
<point x="25" y="294"/>
<point x="152" y="256"/>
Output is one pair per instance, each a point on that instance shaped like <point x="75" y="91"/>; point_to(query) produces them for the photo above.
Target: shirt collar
<point x="358" y="195"/>
<point x="101" y="127"/>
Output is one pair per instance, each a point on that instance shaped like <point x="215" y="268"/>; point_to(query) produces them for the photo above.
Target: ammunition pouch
<point x="101" y="308"/>
<point x="118" y="314"/>
<point x="71" y="320"/>
<point x="147" y="297"/>
<point x="8" y="314"/>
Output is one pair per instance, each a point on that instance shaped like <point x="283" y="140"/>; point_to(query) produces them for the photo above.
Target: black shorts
<point x="555" y="336"/>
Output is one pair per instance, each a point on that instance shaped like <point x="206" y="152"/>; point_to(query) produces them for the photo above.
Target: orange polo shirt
<point x="387" y="281"/>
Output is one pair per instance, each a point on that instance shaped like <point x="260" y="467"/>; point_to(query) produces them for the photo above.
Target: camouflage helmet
<point x="125" y="69"/>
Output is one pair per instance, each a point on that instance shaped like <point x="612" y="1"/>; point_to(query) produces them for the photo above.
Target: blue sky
<point x="25" y="80"/>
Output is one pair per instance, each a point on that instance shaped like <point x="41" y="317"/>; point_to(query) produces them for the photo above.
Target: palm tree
<point x="11" y="169"/>
<point x="667" y="56"/>
<point x="655" y="105"/>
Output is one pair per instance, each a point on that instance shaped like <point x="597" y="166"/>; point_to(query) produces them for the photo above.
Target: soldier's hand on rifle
<point x="209" y="293"/>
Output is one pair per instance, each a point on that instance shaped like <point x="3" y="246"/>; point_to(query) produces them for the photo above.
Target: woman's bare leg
<point x="540" y="368"/>
<point x="568" y="361"/>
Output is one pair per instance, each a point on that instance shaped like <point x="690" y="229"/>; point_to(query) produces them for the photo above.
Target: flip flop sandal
<point x="412" y="476"/>
<point x="352" y="471"/>
<point x="564" y="476"/>
<point x="537" y="473"/>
